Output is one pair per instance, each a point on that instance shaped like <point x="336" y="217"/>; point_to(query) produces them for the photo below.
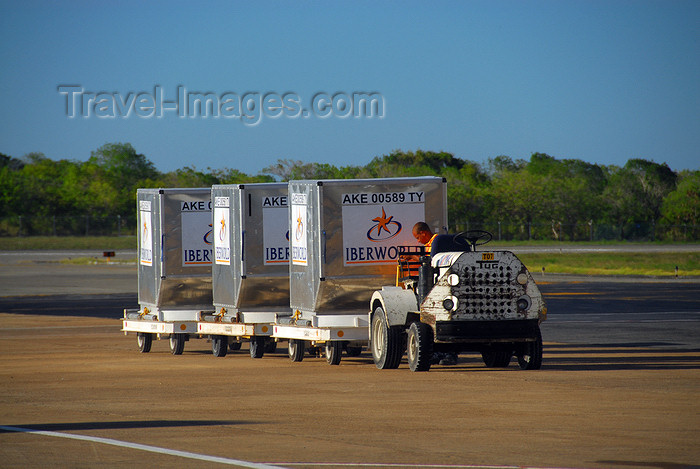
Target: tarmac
<point x="75" y="392"/>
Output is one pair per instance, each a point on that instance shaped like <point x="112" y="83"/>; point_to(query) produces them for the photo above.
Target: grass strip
<point x="57" y="243"/>
<point x="613" y="263"/>
<point x="617" y="263"/>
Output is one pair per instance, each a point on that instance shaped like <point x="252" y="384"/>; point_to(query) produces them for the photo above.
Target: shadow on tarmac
<point x="79" y="426"/>
<point x="596" y="357"/>
<point x="657" y="464"/>
<point x="647" y="359"/>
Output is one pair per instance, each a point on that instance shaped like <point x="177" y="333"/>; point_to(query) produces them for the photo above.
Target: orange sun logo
<point x="300" y="227"/>
<point x="222" y="231"/>
<point x="383" y="224"/>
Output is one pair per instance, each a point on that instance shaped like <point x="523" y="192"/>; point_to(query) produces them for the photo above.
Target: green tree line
<point x="543" y="197"/>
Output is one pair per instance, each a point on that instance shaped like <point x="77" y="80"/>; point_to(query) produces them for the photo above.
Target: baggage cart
<point x="174" y="266"/>
<point x="250" y="274"/>
<point x="344" y="242"/>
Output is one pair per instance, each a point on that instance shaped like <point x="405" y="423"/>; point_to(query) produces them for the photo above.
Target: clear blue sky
<point x="601" y="81"/>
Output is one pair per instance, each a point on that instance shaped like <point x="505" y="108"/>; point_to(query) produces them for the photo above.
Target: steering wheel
<point x="472" y="238"/>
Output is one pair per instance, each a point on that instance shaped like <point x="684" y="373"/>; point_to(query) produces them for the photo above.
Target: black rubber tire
<point x="496" y="358"/>
<point x="257" y="347"/>
<point x="177" y="343"/>
<point x="353" y="351"/>
<point x="144" y="341"/>
<point x="234" y="346"/>
<point x="420" y="346"/>
<point x="296" y="350"/>
<point x="270" y="345"/>
<point x="334" y="352"/>
<point x="531" y="358"/>
<point x="387" y="343"/>
<point x="219" y="345"/>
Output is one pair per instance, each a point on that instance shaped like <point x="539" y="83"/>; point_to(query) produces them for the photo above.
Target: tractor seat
<point x="446" y="243"/>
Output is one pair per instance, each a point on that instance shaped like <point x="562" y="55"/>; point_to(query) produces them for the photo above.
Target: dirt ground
<point x="587" y="407"/>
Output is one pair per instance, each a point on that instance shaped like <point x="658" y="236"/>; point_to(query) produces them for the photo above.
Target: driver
<point x="423" y="234"/>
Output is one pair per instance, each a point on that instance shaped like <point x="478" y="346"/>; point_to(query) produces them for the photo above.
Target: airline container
<point x="344" y="239"/>
<point x="251" y="249"/>
<point x="175" y="251"/>
<point x="174" y="264"/>
<point x="250" y="274"/>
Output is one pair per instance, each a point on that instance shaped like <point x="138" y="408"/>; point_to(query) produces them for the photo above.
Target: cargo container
<point x="344" y="242"/>
<point x="250" y="274"/>
<point x="174" y="266"/>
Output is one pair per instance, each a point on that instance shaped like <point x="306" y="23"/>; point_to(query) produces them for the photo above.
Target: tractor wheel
<point x="296" y="350"/>
<point x="144" y="341"/>
<point x="420" y="346"/>
<point x="496" y="358"/>
<point x="334" y="352"/>
<point x="219" y="345"/>
<point x="531" y="358"/>
<point x="387" y="346"/>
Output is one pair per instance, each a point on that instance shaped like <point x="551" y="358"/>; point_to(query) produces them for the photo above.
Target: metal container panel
<point x="345" y="234"/>
<point x="174" y="242"/>
<point x="148" y="210"/>
<point x="251" y="266"/>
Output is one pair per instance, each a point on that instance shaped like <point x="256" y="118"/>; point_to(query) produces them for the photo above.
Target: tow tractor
<point x="461" y="300"/>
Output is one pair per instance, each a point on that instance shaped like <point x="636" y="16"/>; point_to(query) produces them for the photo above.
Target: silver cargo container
<point x="344" y="238"/>
<point x="250" y="275"/>
<point x="174" y="260"/>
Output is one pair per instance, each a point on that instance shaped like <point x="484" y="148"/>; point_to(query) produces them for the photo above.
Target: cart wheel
<point x="177" y="343"/>
<point x="144" y="339"/>
<point x="496" y="358"/>
<point x="296" y="350"/>
<point x="270" y="345"/>
<point x="420" y="346"/>
<point x="387" y="347"/>
<point x="531" y="358"/>
<point x="334" y="352"/>
<point x="257" y="347"/>
<point x="219" y="345"/>
<point x="234" y="346"/>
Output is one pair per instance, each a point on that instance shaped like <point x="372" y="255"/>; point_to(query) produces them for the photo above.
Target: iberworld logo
<point x="222" y="230"/>
<point x="300" y="227"/>
<point x="385" y="228"/>
<point x="207" y="236"/>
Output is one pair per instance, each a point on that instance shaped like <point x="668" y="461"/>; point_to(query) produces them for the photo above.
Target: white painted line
<point x="415" y="466"/>
<point x="152" y="449"/>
